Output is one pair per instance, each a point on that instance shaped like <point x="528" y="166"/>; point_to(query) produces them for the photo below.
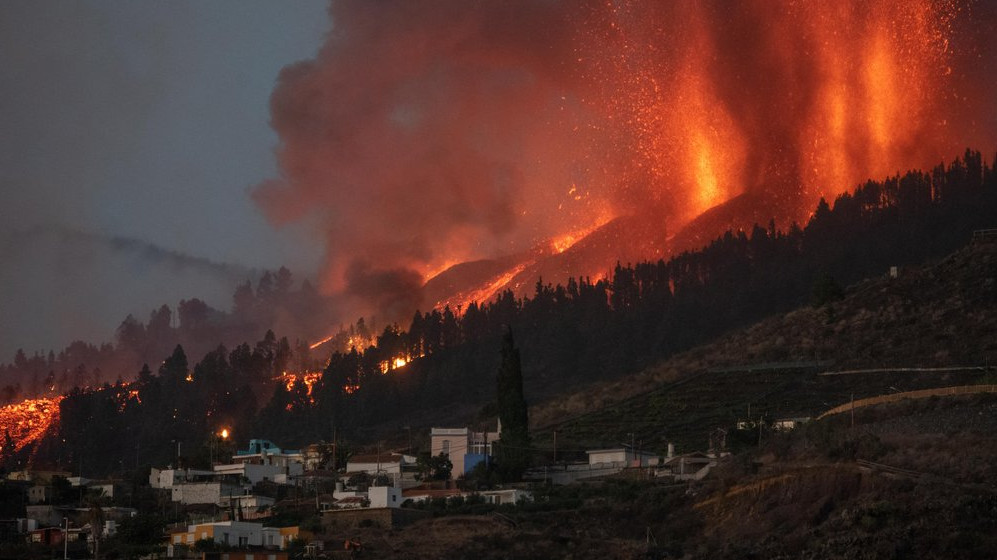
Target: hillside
<point x="573" y="337"/>
<point x="936" y="316"/>
<point x="907" y="480"/>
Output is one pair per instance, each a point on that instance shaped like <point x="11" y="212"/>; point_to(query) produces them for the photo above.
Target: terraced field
<point x="688" y="411"/>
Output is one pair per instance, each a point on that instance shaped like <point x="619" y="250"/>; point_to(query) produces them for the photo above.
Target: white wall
<point x="203" y="492"/>
<point x="607" y="456"/>
<point x="384" y="496"/>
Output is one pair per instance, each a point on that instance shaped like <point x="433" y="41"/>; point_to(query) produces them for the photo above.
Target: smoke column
<point x="428" y="134"/>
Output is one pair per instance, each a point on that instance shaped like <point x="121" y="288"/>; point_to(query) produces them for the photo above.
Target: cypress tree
<point x="512" y="451"/>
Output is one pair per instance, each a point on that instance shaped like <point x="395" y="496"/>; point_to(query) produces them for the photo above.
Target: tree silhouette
<point x="512" y="454"/>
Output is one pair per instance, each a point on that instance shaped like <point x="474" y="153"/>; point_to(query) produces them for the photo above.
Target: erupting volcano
<point x="451" y="150"/>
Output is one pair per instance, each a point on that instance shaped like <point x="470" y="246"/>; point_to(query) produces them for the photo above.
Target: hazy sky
<point x="145" y="120"/>
<point x="148" y="119"/>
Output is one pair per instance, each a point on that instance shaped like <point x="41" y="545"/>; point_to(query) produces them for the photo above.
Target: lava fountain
<point x="424" y="136"/>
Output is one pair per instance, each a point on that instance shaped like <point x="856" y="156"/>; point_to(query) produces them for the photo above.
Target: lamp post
<point x="223" y="435"/>
<point x="65" y="539"/>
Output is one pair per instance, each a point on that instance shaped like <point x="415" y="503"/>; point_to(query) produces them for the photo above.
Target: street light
<point x="223" y="434"/>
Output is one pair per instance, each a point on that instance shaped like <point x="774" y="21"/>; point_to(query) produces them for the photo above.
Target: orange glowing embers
<point x="28" y="420"/>
<point x="308" y="379"/>
<point x="351" y="388"/>
<point x="127" y="397"/>
<point x="395" y="363"/>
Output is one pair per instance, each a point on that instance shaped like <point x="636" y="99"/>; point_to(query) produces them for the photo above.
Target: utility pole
<point x="65" y="540"/>
<point x="555" y="447"/>
<point x="335" y="452"/>
<point x="377" y="472"/>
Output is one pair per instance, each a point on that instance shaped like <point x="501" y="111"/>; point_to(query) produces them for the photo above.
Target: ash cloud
<point x="423" y="135"/>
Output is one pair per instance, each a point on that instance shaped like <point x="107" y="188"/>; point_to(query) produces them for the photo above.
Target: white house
<point x="506" y="496"/>
<point x="165" y="478"/>
<point x="787" y="424"/>
<point x="234" y="533"/>
<point x="464" y="447"/>
<point x="622" y="457"/>
<point x="215" y="492"/>
<point x="689" y="466"/>
<point x="384" y="496"/>
<point x="254" y="473"/>
<point x="39" y="494"/>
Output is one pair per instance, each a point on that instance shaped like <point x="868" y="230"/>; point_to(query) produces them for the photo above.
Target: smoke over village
<point x="521" y="279"/>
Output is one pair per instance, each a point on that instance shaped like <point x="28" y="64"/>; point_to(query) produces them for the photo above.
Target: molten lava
<point x="315" y="345"/>
<point x="344" y="342"/>
<point x="27" y="421"/>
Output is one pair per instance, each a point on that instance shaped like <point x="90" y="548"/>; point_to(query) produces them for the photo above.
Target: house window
<point x="446" y="447"/>
<point x="225" y="538"/>
<point x="270" y="540"/>
<point x="243" y="541"/>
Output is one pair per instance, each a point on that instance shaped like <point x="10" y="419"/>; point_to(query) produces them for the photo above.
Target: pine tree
<point x="512" y="451"/>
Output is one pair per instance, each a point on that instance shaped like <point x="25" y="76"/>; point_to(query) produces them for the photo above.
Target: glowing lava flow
<point x="321" y="342"/>
<point x="486" y="292"/>
<point x="28" y="420"/>
<point x="352" y="341"/>
<point x="564" y="242"/>
<point x="308" y="378"/>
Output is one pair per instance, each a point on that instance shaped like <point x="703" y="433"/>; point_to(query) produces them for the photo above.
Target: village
<point x="274" y="503"/>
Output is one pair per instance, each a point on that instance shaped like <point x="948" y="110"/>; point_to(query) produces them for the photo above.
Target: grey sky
<point x="145" y="120"/>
